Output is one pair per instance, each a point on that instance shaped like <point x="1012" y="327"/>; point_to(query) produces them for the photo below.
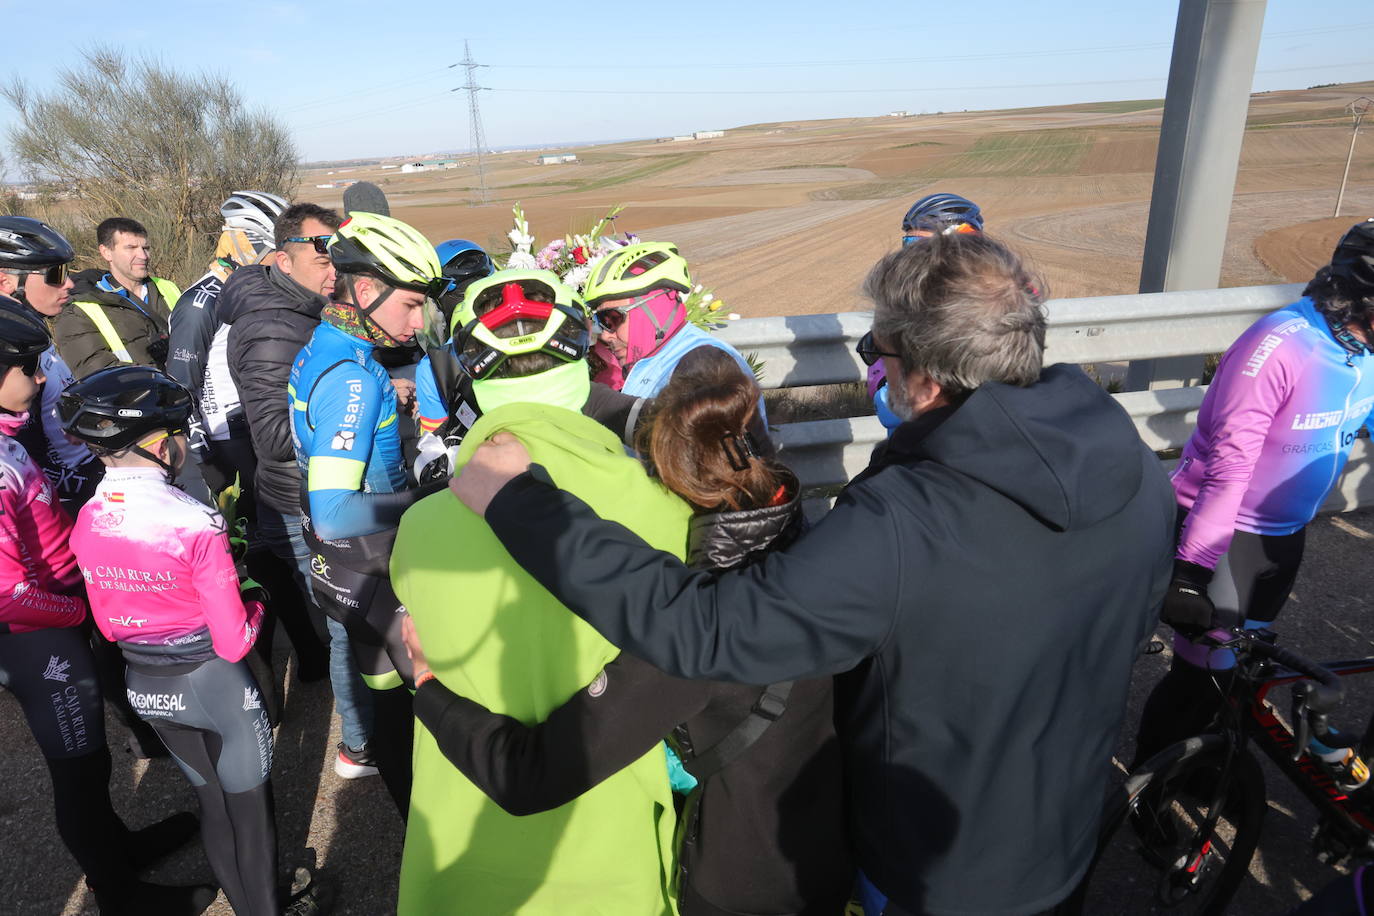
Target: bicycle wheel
<point x="1151" y="857"/>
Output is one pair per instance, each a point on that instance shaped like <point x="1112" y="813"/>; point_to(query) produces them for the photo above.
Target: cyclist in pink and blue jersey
<point x="1274" y="431"/>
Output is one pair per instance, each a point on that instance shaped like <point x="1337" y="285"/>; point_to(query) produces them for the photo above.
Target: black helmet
<point x="23" y="335"/>
<point x="112" y="409"/>
<point x="29" y="244"/>
<point x="939" y="212"/>
<point x="1353" y="259"/>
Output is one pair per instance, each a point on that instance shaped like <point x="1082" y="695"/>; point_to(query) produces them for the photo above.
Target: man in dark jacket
<point x="120" y="315"/>
<point x="272" y="309"/>
<point x="986" y="583"/>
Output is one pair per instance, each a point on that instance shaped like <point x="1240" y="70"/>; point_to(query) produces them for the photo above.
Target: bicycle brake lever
<point x="1302" y="728"/>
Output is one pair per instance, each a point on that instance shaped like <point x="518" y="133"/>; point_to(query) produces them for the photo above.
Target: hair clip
<point x="738" y="450"/>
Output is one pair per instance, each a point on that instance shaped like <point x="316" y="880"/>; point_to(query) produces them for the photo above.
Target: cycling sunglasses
<point x="612" y="318"/>
<point x="920" y="235"/>
<point x="868" y="351"/>
<point x="28" y="364"/>
<point x="53" y="276"/>
<point x="321" y="242"/>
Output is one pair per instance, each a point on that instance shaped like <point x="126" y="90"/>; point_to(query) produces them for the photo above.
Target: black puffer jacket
<point x="985" y="585"/>
<point x="271" y="317"/>
<point x="778" y="806"/>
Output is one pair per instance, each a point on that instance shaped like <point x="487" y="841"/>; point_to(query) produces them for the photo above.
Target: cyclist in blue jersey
<point x="355" y="485"/>
<point x="438" y="376"/>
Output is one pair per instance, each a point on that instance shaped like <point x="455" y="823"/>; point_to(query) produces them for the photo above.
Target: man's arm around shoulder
<point x="817" y="608"/>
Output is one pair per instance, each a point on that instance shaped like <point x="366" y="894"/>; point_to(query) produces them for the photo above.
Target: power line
<point x="1012" y="55"/>
<point x="892" y="89"/>
<point x="426" y="75"/>
<point x="383" y="87"/>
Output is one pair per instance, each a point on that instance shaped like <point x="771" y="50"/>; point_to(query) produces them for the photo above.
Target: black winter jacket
<point x="764" y="834"/>
<point x="142" y="326"/>
<point x="987" y="584"/>
<point x="271" y="317"/>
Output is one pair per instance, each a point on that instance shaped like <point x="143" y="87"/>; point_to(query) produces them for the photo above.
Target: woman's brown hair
<point x="703" y="436"/>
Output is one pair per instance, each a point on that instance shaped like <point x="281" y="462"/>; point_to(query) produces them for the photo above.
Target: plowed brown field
<point x="787" y="218"/>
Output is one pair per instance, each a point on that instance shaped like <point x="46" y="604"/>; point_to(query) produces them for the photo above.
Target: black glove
<point x="1186" y="606"/>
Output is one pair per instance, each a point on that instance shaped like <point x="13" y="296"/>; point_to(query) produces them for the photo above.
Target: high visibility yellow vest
<point x="96" y="312"/>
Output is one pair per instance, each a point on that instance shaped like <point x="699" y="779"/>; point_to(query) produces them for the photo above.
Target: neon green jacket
<point x="492" y="634"/>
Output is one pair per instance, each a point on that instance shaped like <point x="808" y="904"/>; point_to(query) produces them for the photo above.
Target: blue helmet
<point x="463" y="261"/>
<point x="941" y="213"/>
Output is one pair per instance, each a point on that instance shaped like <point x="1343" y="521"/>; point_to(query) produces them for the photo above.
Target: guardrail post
<point x="1210" y="76"/>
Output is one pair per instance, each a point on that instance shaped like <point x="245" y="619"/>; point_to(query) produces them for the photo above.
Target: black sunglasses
<point x="28" y="364"/>
<point x="53" y="276"/>
<point x="321" y="242"/>
<point x="868" y="351"/>
<point x="611" y="318"/>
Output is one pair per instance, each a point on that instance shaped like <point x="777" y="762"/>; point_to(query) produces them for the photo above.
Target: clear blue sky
<point x="354" y="78"/>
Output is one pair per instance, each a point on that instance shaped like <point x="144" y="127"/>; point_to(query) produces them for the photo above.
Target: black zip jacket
<point x="765" y="834"/>
<point x="271" y="317"/>
<point x="142" y="327"/>
<point x="989" y="580"/>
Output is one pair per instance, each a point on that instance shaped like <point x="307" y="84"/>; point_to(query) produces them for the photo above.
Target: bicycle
<point x="1192" y="814"/>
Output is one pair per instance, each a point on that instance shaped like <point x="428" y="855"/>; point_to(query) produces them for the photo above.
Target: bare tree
<point x="137" y="139"/>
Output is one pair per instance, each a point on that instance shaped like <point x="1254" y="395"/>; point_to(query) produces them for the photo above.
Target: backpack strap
<point x="768" y="708"/>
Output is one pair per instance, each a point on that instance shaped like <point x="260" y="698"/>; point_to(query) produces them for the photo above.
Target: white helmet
<point x="255" y="212"/>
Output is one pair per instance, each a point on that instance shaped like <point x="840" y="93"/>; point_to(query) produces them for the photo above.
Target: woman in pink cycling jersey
<point x="163" y="586"/>
<point x="45" y="658"/>
<point x="1273" y="434"/>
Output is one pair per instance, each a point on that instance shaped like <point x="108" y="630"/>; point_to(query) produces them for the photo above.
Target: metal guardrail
<point x="803" y="350"/>
<point x="806" y="350"/>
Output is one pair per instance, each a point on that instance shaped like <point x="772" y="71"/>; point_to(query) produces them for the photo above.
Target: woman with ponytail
<point x="763" y="829"/>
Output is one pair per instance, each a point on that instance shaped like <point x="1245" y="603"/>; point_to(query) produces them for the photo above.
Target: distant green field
<point x="1019" y="153"/>
<point x="1290" y="117"/>
<point x="1124" y="107"/>
<point x="652" y="167"/>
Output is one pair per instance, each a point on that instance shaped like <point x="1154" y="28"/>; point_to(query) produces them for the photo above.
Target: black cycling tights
<point x="1253" y="578"/>
<point x="53" y="676"/>
<point x="372" y="614"/>
<point x="213" y="718"/>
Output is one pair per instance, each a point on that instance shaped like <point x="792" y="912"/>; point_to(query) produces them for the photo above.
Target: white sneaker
<point x="354" y="763"/>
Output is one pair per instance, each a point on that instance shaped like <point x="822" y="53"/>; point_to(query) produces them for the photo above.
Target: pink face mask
<point x="11" y="423"/>
<point x="659" y="316"/>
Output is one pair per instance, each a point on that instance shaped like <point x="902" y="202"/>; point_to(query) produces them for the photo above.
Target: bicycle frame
<point x="1263" y="725"/>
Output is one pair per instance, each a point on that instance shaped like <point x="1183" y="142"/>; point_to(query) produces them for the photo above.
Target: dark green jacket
<point x="136" y="332"/>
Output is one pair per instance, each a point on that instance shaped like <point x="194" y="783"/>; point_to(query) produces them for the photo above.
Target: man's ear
<point x="9" y="284"/>
<point x="364" y="290"/>
<point x="924" y="392"/>
<point x="282" y="262"/>
<point x="107" y="253"/>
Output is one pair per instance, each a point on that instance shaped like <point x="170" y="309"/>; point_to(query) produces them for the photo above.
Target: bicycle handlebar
<point x="1322" y="696"/>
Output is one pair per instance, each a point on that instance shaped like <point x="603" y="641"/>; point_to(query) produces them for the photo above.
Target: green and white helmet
<point x="393" y="250"/>
<point x="557" y="316"/>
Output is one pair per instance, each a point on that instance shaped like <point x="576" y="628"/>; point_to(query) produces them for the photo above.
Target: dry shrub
<point x="137" y="139"/>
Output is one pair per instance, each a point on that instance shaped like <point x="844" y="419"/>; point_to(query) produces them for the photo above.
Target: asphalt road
<point x="354" y="834"/>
